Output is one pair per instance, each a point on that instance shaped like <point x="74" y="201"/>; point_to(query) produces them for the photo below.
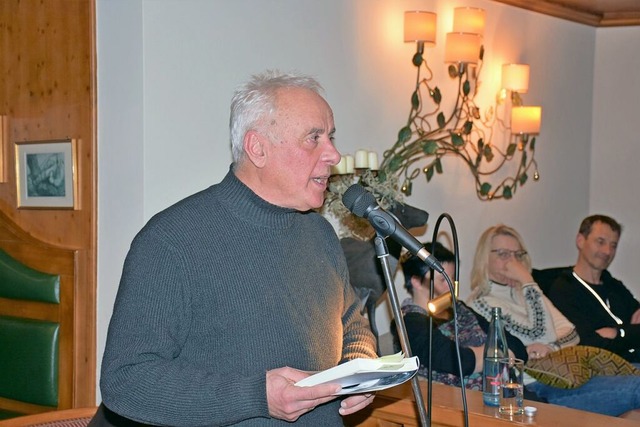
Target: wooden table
<point x="396" y="407"/>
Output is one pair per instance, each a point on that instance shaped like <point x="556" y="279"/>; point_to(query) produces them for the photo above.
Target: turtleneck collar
<point x="248" y="206"/>
<point x="500" y="289"/>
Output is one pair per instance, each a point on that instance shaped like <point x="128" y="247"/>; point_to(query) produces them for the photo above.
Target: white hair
<point x="256" y="99"/>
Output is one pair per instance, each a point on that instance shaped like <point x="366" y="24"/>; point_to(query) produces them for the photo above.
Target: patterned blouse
<point x="528" y="314"/>
<point x="470" y="334"/>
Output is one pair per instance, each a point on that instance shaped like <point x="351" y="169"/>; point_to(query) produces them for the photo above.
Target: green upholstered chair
<point x="29" y="339"/>
<point x="46" y="329"/>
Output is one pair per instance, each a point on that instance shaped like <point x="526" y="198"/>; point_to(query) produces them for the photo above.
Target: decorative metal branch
<point x="431" y="134"/>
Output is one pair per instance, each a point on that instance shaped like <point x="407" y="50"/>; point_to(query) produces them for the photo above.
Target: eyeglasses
<point x="505" y="254"/>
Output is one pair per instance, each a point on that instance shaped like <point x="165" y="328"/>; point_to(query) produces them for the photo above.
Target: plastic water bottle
<point x="495" y="348"/>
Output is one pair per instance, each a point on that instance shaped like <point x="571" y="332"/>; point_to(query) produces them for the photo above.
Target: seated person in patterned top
<point x="605" y="313"/>
<point x="501" y="277"/>
<point x="472" y="328"/>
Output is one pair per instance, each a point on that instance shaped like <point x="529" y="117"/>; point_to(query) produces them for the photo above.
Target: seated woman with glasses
<point x="501" y="277"/>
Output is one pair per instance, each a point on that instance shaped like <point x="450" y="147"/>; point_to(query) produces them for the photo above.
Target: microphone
<point x="363" y="204"/>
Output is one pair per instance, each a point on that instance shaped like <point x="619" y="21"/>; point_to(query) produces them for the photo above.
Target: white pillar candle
<point x="373" y="160"/>
<point x="340" y="168"/>
<point x="362" y="159"/>
<point x="349" y="161"/>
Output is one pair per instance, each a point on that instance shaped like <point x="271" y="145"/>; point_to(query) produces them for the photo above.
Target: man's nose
<point x="332" y="155"/>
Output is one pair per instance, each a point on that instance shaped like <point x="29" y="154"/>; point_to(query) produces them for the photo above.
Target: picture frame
<point x="46" y="174"/>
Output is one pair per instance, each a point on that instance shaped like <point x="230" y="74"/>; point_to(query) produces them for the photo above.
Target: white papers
<point x="366" y="375"/>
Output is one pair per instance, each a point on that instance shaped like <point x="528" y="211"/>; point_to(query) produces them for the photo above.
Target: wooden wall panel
<point x="48" y="92"/>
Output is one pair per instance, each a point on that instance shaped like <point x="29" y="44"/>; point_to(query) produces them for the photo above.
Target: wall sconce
<point x="525" y="120"/>
<point x="462" y="48"/>
<point x="515" y="77"/>
<point x="463" y="44"/>
<point x="420" y="27"/>
<point x="469" y="20"/>
<point x="464" y="132"/>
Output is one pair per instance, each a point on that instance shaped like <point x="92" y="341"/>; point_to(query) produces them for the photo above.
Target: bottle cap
<point x="530" y="411"/>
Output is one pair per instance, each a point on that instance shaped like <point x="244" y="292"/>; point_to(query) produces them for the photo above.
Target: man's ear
<point x="580" y="241"/>
<point x="254" y="146"/>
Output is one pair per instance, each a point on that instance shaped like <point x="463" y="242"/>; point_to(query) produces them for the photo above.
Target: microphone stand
<point x="456" y="252"/>
<point x="382" y="252"/>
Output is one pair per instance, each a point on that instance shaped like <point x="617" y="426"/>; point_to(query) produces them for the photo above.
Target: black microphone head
<point x="358" y="200"/>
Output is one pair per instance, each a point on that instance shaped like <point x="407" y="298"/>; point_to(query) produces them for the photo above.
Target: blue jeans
<point x="612" y="395"/>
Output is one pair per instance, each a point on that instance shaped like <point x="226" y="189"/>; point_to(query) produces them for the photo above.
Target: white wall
<point x="615" y="144"/>
<point x="120" y="148"/>
<point x="167" y="69"/>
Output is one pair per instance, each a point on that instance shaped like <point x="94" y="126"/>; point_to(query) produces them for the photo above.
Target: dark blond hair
<point x="480" y="269"/>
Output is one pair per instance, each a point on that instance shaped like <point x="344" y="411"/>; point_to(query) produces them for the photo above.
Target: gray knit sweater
<point x="215" y="291"/>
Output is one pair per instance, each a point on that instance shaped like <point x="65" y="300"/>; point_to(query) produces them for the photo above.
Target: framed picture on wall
<point x="46" y="174"/>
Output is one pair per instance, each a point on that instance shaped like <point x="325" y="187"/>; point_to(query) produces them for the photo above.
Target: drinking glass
<point x="511" y="386"/>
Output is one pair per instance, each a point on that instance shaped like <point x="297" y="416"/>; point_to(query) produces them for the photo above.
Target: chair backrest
<point x="41" y="293"/>
<point x="29" y="338"/>
<point x="545" y="277"/>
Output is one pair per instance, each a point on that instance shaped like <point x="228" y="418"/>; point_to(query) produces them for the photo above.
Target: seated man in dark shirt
<point x="603" y="310"/>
